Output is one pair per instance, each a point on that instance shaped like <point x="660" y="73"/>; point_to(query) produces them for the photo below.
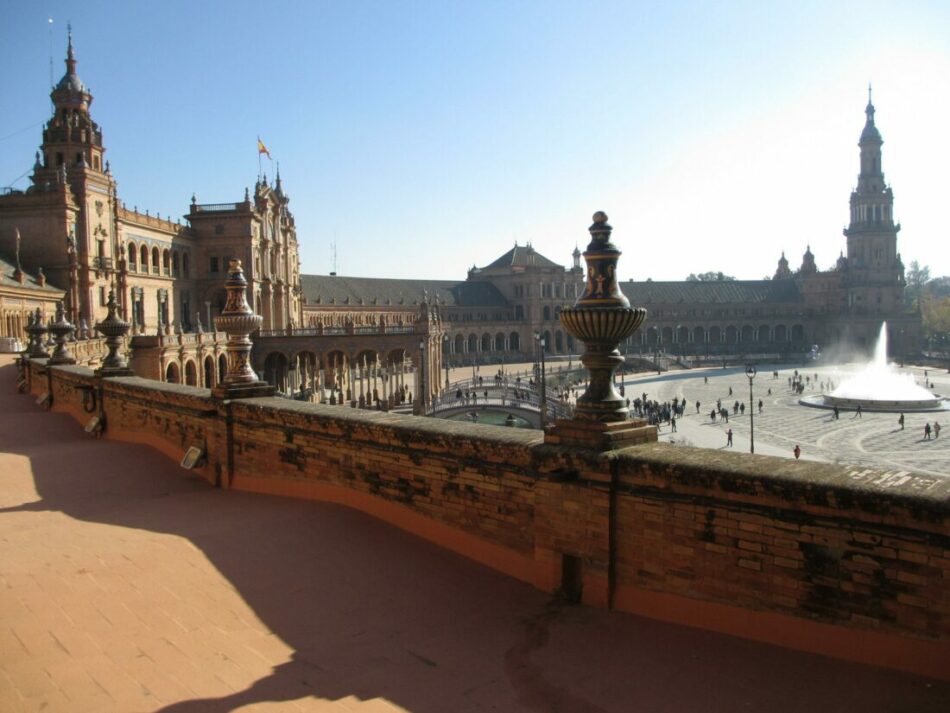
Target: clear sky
<point x="424" y="137"/>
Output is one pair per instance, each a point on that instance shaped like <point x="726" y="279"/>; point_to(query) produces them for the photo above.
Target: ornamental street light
<point x="543" y="402"/>
<point x="421" y="397"/>
<point x="750" y="372"/>
<point x="445" y="359"/>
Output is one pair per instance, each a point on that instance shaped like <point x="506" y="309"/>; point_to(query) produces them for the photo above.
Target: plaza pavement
<point x="127" y="586"/>
<point x="874" y="440"/>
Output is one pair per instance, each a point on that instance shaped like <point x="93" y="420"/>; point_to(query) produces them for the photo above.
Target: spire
<point x="870" y="132"/>
<point x="70" y="55"/>
<point x="71" y="81"/>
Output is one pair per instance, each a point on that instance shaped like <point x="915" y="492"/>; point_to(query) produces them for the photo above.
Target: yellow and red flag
<point x="261" y="148"/>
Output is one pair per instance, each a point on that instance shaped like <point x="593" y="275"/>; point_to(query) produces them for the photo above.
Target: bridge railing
<point x="523" y="396"/>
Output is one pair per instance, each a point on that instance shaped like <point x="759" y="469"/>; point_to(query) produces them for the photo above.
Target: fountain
<point x="880" y="387"/>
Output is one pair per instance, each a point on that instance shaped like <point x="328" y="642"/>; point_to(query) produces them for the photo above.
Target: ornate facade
<point x="168" y="275"/>
<point x="493" y="315"/>
<point x="169" y="279"/>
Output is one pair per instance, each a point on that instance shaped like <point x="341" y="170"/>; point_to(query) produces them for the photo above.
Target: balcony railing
<point x="214" y="207"/>
<point x="102" y="263"/>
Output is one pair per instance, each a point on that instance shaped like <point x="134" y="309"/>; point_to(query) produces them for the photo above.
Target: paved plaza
<point x="127" y="586"/>
<point x="874" y="439"/>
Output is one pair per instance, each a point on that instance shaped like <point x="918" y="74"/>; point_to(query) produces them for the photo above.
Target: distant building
<point x="493" y="314"/>
<point x="78" y="240"/>
<point x="168" y="275"/>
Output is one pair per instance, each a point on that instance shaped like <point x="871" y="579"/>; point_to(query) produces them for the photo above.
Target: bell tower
<point x="70" y="162"/>
<point x="872" y="232"/>
<point x="71" y="138"/>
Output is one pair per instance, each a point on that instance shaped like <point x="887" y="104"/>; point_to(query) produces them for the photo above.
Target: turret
<point x="71" y="138"/>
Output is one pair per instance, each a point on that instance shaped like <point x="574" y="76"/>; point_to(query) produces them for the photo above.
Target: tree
<point x="916" y="277"/>
<point x="709" y="277"/>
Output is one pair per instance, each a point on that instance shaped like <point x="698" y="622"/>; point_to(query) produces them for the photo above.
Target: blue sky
<point x="424" y="137"/>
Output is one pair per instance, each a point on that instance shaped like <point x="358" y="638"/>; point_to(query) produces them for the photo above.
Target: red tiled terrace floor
<point x="127" y="586"/>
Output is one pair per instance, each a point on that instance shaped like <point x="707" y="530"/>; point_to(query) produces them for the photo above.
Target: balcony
<point x="214" y="207"/>
<point x="102" y="263"/>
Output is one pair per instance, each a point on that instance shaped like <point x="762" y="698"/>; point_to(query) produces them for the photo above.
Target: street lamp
<point x="445" y="359"/>
<point x="543" y="402"/>
<point x="421" y="398"/>
<point x="750" y="372"/>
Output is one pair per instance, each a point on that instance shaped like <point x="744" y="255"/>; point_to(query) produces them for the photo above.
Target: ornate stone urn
<point x="239" y="321"/>
<point x="601" y="318"/>
<point x="114" y="328"/>
<point x="37" y="331"/>
<point x="61" y="330"/>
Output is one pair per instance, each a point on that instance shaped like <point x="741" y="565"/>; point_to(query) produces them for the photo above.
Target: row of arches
<point x="171" y="263"/>
<point x="210" y="373"/>
<point x="501" y="343"/>
<point x="730" y="334"/>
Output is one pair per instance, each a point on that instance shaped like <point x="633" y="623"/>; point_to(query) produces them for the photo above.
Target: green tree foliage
<point x="709" y="277"/>
<point x="916" y="277"/>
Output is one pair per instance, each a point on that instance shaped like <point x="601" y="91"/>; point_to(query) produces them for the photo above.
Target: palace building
<point x="69" y="236"/>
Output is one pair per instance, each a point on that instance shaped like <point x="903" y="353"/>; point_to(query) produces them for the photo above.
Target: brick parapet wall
<point x="842" y="560"/>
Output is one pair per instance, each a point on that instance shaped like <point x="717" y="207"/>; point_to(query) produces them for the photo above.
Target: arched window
<point x="143" y="264"/>
<point x="546" y="313"/>
<point x="191" y="373"/>
<point x="155" y="261"/>
<point x="133" y="257"/>
<point x="184" y="265"/>
<point x="209" y="372"/>
<point x="166" y="263"/>
<point x="175" y="263"/>
<point x="172" y="374"/>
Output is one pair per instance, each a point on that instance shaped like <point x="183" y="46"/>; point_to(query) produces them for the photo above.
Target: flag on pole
<point x="261" y="148"/>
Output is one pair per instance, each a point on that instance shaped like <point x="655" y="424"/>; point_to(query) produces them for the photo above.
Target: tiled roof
<point x="522" y="256"/>
<point x="321" y="289"/>
<point x="732" y="291"/>
<point x="6" y="280"/>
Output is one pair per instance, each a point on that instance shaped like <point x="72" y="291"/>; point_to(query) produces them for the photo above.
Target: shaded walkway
<point x="126" y="586"/>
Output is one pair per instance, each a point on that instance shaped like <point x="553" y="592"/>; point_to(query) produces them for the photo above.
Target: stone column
<point x="238" y="320"/>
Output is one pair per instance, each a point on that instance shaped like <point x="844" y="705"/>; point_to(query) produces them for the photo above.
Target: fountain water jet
<point x="880" y="387"/>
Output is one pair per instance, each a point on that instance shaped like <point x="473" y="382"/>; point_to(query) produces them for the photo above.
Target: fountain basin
<point x="828" y="401"/>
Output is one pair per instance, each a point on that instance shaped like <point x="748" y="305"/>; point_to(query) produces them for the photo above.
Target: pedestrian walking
<point x="927" y="431"/>
<point x="797" y="451"/>
<point x="857" y="412"/>
<point x="760" y="404"/>
<point x="673" y="424"/>
<point x="705" y="379"/>
<point x="837" y="414"/>
<point x="697" y="407"/>
<point x="730" y="391"/>
<point x="936" y="429"/>
<point x="900" y="421"/>
<point x="729" y="438"/>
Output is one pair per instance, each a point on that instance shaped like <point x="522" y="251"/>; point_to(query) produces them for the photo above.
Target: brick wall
<point x="840" y="560"/>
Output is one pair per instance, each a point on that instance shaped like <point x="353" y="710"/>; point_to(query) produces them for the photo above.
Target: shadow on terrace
<point x="369" y="612"/>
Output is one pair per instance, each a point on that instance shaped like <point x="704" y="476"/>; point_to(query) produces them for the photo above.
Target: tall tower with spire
<point x="872" y="233"/>
<point x="70" y="162"/>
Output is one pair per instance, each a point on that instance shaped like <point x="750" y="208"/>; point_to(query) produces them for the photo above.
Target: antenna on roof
<point x="333" y="248"/>
<point x="49" y="23"/>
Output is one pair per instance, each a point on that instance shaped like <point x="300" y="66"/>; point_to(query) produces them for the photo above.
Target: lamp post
<point x="750" y="372"/>
<point x="543" y="401"/>
<point x="421" y="397"/>
<point x="445" y="359"/>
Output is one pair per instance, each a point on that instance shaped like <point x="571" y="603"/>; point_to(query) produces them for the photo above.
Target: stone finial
<point x="601" y="318"/>
<point x="36" y="330"/>
<point x="114" y="328"/>
<point x="62" y="330"/>
<point x="238" y="320"/>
